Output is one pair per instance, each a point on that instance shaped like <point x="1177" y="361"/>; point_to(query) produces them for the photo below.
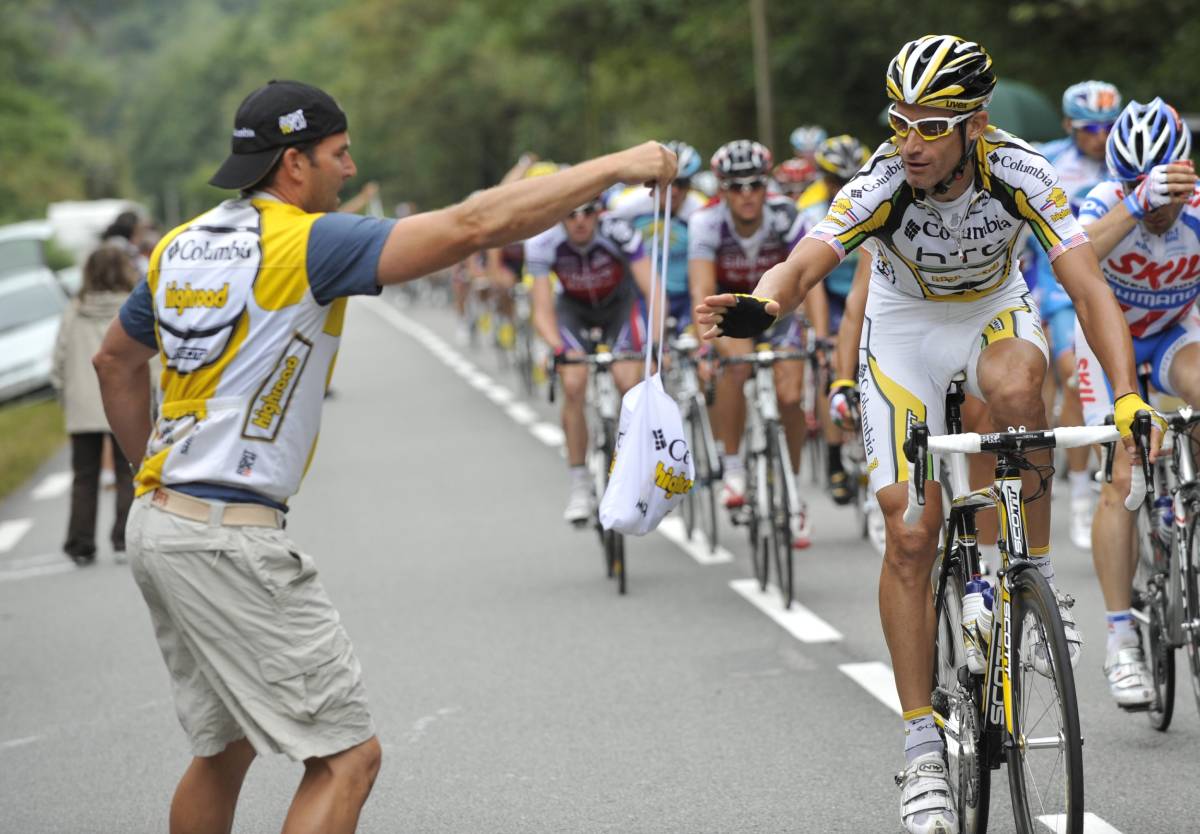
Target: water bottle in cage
<point x="977" y="622"/>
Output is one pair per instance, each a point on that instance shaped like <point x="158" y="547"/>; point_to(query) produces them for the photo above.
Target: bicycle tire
<point x="1035" y="610"/>
<point x="1191" y="607"/>
<point x="690" y="498"/>
<point x="701" y="444"/>
<point x="1150" y="584"/>
<point x="618" y="550"/>
<point x="606" y="454"/>
<point x="970" y="777"/>
<point x="781" y="516"/>
<point x="1160" y="657"/>
<point x="524" y="358"/>
<point x="760" y="539"/>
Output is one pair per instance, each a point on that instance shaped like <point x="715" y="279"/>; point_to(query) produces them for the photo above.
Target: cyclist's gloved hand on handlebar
<point x="747" y="318"/>
<point x="1125" y="410"/>
<point x="843" y="397"/>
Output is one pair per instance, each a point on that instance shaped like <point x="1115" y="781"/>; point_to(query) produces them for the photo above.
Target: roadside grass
<point x="29" y="433"/>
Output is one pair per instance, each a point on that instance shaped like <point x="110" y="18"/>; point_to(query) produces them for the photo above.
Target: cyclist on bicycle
<point x="941" y="206"/>
<point x="597" y="261"/>
<point x="637" y="206"/>
<point x="805" y="140"/>
<point x="838" y="159"/>
<point x="1144" y="224"/>
<point x="730" y="246"/>
<point x="1089" y="109"/>
<point x="794" y="176"/>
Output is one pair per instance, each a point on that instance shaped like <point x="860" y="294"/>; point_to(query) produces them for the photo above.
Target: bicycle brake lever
<point x="1110" y="453"/>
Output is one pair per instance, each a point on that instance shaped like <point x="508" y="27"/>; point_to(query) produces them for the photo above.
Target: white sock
<point x="921" y="734"/>
<point x="578" y="474"/>
<point x="1042" y="560"/>
<point x="1081" y="484"/>
<point x="1122" y="630"/>
<point x="733" y="464"/>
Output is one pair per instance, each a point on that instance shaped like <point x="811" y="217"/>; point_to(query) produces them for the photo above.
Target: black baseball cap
<point x="268" y="121"/>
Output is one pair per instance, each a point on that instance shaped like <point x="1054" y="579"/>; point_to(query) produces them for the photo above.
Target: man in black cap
<point x="244" y="306"/>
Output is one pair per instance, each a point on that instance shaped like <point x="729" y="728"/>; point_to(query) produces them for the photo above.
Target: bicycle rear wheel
<point x="758" y="498"/>
<point x="524" y="357"/>
<point x="1045" y="759"/>
<point x="781" y="514"/>
<point x="1191" y="606"/>
<point x="956" y="699"/>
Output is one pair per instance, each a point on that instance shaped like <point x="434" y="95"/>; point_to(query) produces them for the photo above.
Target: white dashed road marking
<point x="798" y="621"/>
<point x="13" y="531"/>
<point x="877" y="679"/>
<point x="1092" y="824"/>
<point x="697" y="548"/>
<point x="53" y="486"/>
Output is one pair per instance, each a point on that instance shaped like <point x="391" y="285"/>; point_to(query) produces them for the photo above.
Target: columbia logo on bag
<point x="660" y="442"/>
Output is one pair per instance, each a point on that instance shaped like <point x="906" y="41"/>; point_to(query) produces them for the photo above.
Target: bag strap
<point x="656" y="304"/>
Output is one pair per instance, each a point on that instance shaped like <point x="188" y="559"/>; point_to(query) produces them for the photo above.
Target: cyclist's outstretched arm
<point x="545" y="322"/>
<point x="850" y="331"/>
<point x="434" y="240"/>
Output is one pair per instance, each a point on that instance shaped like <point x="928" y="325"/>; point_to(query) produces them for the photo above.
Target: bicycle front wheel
<point x="1045" y="759"/>
<point x="956" y="699"/>
<point x="705" y="487"/>
<point x="781" y="515"/>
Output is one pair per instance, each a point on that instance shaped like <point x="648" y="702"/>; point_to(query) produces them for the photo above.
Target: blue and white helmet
<point x="1091" y="101"/>
<point x="687" y="159"/>
<point x="806" y="138"/>
<point x="1146" y="135"/>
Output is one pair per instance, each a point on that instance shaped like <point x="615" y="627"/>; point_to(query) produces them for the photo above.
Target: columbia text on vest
<point x="185" y="298"/>
<point x="270" y="405"/>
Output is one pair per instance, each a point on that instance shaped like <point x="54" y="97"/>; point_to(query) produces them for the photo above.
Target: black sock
<point x="834" y="457"/>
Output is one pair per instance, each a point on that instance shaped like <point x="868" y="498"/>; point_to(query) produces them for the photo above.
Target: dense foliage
<point x="135" y="97"/>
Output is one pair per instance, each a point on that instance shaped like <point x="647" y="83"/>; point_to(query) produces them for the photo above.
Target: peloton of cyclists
<point x="1144" y="224"/>
<point x="600" y="264"/>
<point x="730" y="246"/>
<point x="838" y="159"/>
<point x="941" y="206"/>
<point x="1089" y="109"/>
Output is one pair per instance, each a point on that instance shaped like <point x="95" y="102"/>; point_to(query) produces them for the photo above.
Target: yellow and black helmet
<point x="942" y="71"/>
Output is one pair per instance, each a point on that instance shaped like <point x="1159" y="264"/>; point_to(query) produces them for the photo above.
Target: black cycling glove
<point x="748" y="318"/>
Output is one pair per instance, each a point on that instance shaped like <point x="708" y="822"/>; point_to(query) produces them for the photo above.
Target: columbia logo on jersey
<point x="911" y="230"/>
<point x="185" y="298"/>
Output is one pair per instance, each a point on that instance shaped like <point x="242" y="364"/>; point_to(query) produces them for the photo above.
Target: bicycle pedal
<point x="580" y="523"/>
<point x="1134" y="707"/>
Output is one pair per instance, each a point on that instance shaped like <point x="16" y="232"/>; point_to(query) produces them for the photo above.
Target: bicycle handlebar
<point x="764" y="357"/>
<point x="920" y="444"/>
<point x="592" y="360"/>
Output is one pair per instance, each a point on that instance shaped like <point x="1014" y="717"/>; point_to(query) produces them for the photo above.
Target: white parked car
<point x="31" y="308"/>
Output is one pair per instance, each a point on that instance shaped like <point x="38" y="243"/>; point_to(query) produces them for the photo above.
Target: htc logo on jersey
<point x="184" y="298"/>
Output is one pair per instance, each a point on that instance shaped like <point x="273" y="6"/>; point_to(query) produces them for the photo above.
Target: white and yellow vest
<point x="247" y="352"/>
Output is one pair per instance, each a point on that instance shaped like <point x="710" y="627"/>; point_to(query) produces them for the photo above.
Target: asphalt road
<point x="513" y="689"/>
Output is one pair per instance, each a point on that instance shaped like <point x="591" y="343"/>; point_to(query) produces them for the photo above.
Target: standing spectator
<point x="108" y="277"/>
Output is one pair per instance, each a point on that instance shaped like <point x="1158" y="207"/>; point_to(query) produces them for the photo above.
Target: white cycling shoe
<point x="1129" y="678"/>
<point x="1040" y="656"/>
<point x="801" y="524"/>
<point x="1081" y="523"/>
<point x="926" y="806"/>
<point x="733" y="489"/>
<point x="581" y="503"/>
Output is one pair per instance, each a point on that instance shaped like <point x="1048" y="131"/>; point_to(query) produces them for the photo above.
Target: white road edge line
<point x="53" y="486"/>
<point x="12" y="531"/>
<point x="798" y="621"/>
<point x="672" y="528"/>
<point x="1092" y="824"/>
<point x="29" y="573"/>
<point x="877" y="679"/>
<point x="18" y="742"/>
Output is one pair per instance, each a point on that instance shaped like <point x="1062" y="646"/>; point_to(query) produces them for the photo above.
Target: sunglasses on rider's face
<point x="928" y="129"/>
<point x="1092" y="127"/>
<point x="584" y="211"/>
<point x="744" y="185"/>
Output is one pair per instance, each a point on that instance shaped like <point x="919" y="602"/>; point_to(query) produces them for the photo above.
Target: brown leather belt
<point x="227" y="515"/>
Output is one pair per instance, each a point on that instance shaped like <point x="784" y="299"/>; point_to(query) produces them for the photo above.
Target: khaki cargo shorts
<point x="254" y="647"/>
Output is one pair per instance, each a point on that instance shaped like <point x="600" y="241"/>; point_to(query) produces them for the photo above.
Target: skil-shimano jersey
<point x="969" y="254"/>
<point x="245" y="305"/>
<point x="740" y="262"/>
<point x="595" y="273"/>
<point x="1155" y="278"/>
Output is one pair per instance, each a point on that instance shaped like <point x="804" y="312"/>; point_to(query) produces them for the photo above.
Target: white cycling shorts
<point x="1157" y="353"/>
<point x="909" y="353"/>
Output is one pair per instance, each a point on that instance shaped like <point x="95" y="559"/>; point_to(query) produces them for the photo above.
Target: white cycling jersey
<point x="1156" y="278"/>
<point x="741" y="261"/>
<point x="957" y="251"/>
